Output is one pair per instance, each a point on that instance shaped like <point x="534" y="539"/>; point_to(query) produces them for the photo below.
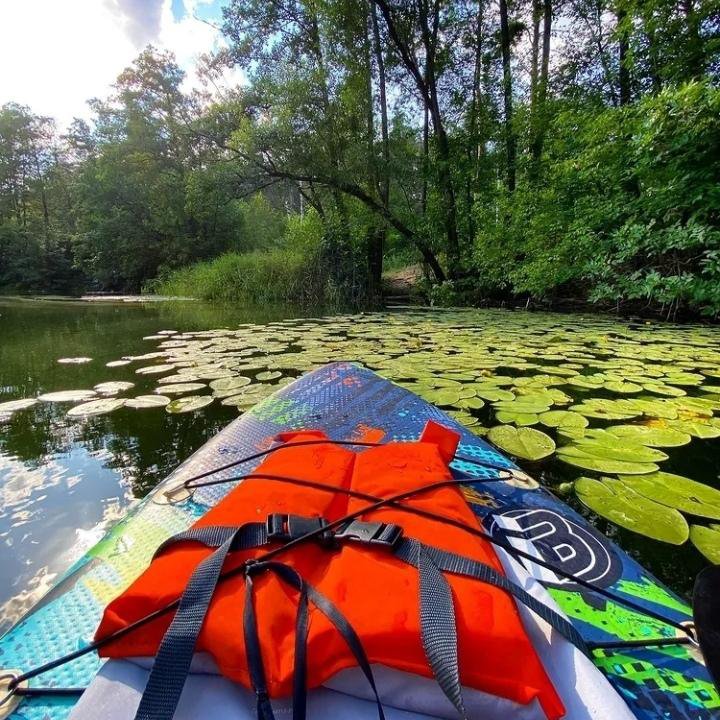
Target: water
<point x="63" y="481"/>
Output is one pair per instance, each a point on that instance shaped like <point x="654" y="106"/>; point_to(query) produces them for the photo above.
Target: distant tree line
<point x="515" y="148"/>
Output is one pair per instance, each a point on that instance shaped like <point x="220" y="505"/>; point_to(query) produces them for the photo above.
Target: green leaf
<point x="622" y="505"/>
<point x="605" y="409"/>
<point x="574" y="455"/>
<point x="620" y="450"/>
<point x="698" y="428"/>
<point x="520" y="405"/>
<point x="514" y="418"/>
<point x="679" y="492"/>
<point x="190" y="403"/>
<point x="707" y="541"/>
<point x="142" y="402"/>
<point x="652" y="436"/>
<point x="444" y="397"/>
<point x="68" y="396"/>
<point x="96" y="407"/>
<point x="523" y="442"/>
<point x="12" y="406"/>
<point x="563" y="419"/>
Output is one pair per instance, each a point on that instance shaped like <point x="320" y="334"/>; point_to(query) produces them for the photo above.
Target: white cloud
<point x="57" y="54"/>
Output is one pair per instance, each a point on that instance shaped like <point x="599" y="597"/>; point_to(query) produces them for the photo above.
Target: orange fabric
<point x="377" y="592"/>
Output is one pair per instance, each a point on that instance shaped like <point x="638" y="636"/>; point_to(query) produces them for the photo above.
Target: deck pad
<point x="346" y="401"/>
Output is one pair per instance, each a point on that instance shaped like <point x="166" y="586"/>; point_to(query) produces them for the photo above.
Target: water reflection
<point x="62" y="483"/>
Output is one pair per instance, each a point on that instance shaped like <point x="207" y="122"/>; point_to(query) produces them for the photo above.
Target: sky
<point x="57" y="54"/>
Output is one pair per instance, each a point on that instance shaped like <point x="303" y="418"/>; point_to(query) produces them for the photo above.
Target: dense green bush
<point x="627" y="208"/>
<point x="303" y="268"/>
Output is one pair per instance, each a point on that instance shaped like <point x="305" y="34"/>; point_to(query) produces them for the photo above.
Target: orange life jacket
<point x="377" y="593"/>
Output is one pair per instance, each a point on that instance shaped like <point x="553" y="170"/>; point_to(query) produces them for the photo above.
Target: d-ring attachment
<point x="9" y="699"/>
<point x="172" y="495"/>
<point x="520" y="479"/>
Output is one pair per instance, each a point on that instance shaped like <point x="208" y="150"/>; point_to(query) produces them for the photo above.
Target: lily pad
<point x="698" y="428"/>
<point x="154" y="369"/>
<point x="622" y="388"/>
<point x="605" y="409"/>
<point x="12" y="406"/>
<point x="142" y="402"/>
<point x="524" y="442"/>
<point x="575" y="455"/>
<point x="651" y="436"/>
<point x="471" y="403"/>
<point x="620" y="450"/>
<point x="707" y="541"/>
<point x="190" y="403"/>
<point x="67" y="396"/>
<point x="688" y="496"/>
<point x="521" y="405"/>
<point x="113" y="387"/>
<point x="563" y="419"/>
<point x="445" y="397"/>
<point x="179" y="388"/>
<point x="492" y="393"/>
<point x="520" y="419"/>
<point x="230" y="383"/>
<point x="622" y="505"/>
<point x="96" y="407"/>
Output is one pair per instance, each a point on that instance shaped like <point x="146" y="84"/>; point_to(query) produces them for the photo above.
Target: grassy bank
<point x="259" y="276"/>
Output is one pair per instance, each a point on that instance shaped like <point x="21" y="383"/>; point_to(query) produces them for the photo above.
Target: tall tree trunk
<point x="540" y="114"/>
<point x="427" y="86"/>
<point x="535" y="56"/>
<point x="441" y="138"/>
<point x="377" y="246"/>
<point x="510" y="143"/>
<point x="623" y="67"/>
<point x="425" y="159"/>
<point x="474" y="144"/>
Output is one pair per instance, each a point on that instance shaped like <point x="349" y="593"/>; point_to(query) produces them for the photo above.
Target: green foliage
<point x="627" y="207"/>
<point x="297" y="270"/>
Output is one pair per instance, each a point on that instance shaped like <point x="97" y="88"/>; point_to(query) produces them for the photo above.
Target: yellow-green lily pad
<point x="707" y="541"/>
<point x="651" y="436"/>
<point x="688" y="496"/>
<point x="575" y="455"/>
<point x="620" y="504"/>
<point x="524" y="442"/>
<point x="563" y="419"/>
<point x="189" y="403"/>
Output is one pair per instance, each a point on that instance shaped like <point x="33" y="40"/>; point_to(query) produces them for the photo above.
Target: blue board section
<point x="345" y="400"/>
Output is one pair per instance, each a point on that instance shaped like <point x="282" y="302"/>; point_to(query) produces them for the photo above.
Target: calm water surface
<point x="63" y="481"/>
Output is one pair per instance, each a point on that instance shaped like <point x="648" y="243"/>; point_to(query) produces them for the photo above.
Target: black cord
<point x="375" y="504"/>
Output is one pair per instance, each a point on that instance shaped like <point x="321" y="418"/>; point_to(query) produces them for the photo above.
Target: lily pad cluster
<point x="607" y="402"/>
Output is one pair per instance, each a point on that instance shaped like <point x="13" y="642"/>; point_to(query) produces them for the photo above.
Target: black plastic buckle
<point x="284" y="527"/>
<point x="371" y="533"/>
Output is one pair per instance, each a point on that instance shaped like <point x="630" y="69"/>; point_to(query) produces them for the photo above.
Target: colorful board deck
<point x="345" y="400"/>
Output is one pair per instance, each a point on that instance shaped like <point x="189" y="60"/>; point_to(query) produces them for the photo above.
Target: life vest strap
<point x="437" y="616"/>
<point x="283" y="528"/>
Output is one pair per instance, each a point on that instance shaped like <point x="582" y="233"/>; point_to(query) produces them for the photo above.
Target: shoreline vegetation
<point x="515" y="161"/>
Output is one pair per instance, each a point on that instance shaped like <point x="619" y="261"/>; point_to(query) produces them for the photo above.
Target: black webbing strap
<point x="172" y="662"/>
<point x="245" y="537"/>
<point x="326" y="607"/>
<point x="408" y="550"/>
<point x="437" y="617"/>
<point x="438" y="629"/>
